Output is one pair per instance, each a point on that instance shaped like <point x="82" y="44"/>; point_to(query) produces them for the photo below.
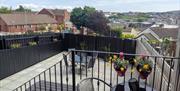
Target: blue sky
<point x="105" y="5"/>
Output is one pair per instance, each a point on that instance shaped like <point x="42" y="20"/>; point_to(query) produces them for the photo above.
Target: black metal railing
<point x="78" y="65"/>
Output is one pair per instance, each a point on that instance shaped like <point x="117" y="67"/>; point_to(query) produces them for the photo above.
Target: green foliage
<point x="42" y="28"/>
<point x="116" y="31"/>
<point x="32" y="43"/>
<point x="15" y="45"/>
<point x="121" y="63"/>
<point x="128" y="36"/>
<point x="144" y="65"/>
<point x="61" y="27"/>
<point x="136" y="18"/>
<point x="50" y="28"/>
<point x="22" y="9"/>
<point x="90" y="18"/>
<point x="153" y="41"/>
<point x="29" y="32"/>
<point x="166" y="40"/>
<point x="5" y="10"/>
<point x="99" y="23"/>
<point x="79" y="15"/>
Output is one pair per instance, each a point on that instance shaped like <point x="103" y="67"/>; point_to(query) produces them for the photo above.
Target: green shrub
<point x="128" y="36"/>
<point x="32" y="43"/>
<point x="42" y="28"/>
<point x="15" y="45"/>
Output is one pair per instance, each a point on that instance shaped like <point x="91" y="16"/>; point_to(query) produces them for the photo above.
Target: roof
<point x="57" y="11"/>
<point x="21" y="19"/>
<point x="166" y="32"/>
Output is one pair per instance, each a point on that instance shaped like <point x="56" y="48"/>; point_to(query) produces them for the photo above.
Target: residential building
<point x="62" y="16"/>
<point x="157" y="34"/>
<point x="24" y="22"/>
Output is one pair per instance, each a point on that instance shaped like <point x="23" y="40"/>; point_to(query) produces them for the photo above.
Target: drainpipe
<point x="177" y="62"/>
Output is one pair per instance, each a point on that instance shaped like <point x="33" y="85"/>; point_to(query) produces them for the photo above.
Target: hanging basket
<point x="120" y="65"/>
<point x="142" y="72"/>
<point x="121" y="72"/>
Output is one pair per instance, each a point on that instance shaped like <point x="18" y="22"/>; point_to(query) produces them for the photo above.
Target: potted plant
<point x="32" y="43"/>
<point x="120" y="65"/>
<point x="144" y="67"/>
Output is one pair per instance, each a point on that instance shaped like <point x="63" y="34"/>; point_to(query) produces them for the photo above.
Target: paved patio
<point x="12" y="82"/>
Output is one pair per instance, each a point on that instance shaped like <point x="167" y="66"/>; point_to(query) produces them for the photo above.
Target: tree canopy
<point x="79" y="16"/>
<point x="22" y="9"/>
<point x="91" y="18"/>
<point x="98" y="22"/>
<point x="5" y="10"/>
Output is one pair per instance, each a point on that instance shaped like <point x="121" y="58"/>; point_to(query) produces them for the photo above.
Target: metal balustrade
<point x="63" y="77"/>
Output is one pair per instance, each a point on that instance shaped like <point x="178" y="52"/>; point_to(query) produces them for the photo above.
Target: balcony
<point x="73" y="67"/>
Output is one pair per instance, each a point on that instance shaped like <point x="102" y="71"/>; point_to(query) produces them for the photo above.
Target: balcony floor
<point x="10" y="83"/>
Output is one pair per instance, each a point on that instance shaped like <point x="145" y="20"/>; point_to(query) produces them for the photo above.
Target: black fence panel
<point x="17" y="59"/>
<point x="14" y="60"/>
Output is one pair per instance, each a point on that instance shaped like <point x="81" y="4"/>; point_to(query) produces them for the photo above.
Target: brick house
<point x="60" y="15"/>
<point x="25" y="22"/>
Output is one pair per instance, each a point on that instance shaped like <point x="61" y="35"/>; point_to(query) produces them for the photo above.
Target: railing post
<point x="73" y="71"/>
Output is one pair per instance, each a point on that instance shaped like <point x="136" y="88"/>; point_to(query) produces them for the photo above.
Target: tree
<point x="22" y="9"/>
<point x="5" y="10"/>
<point x="116" y="32"/>
<point x="79" y="16"/>
<point x="98" y="22"/>
<point x="90" y="18"/>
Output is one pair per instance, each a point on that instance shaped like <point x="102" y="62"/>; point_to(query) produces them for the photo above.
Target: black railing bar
<point x="40" y="82"/>
<point x="154" y="74"/>
<point x="25" y="86"/>
<point x="111" y="74"/>
<point x="45" y="70"/>
<point x="145" y="83"/>
<point x="30" y="85"/>
<point x="104" y="74"/>
<point x="55" y="77"/>
<point x="126" y="54"/>
<point x="50" y="78"/>
<point x="61" y="77"/>
<point x="80" y="65"/>
<point x="86" y="66"/>
<point x="35" y="84"/>
<point x="73" y="72"/>
<point x="162" y="73"/>
<point x="21" y="88"/>
<point x="92" y="70"/>
<point x="98" y="74"/>
<point x="169" y="79"/>
<point x="45" y="79"/>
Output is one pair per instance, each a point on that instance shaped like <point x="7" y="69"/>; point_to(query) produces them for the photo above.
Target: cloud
<point x="39" y="7"/>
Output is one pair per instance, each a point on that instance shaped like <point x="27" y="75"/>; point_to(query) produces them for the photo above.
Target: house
<point x="24" y="22"/>
<point x="62" y="16"/>
<point x="157" y="34"/>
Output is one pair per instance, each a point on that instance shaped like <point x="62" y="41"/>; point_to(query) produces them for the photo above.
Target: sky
<point x="105" y="5"/>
